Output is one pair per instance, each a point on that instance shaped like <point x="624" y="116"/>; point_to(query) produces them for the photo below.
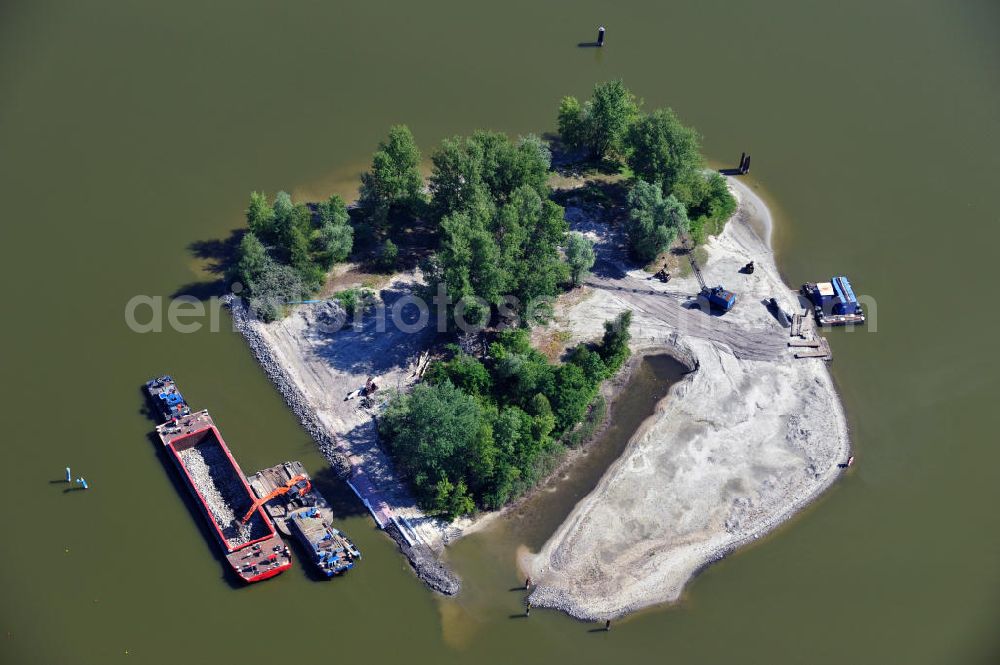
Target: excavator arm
<point x="292" y="484"/>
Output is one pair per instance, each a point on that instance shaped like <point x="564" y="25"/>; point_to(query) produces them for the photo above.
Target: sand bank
<point x="736" y="448"/>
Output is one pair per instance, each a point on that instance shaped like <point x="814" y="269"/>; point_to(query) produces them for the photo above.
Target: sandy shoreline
<point x="733" y="451"/>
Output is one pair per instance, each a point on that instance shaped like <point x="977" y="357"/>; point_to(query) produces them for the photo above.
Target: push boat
<point x="332" y="552"/>
<point x="251" y="546"/>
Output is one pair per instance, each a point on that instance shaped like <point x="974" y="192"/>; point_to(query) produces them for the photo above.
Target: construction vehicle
<point x="663" y="275"/>
<point x="300" y="484"/>
<point x="715" y="297"/>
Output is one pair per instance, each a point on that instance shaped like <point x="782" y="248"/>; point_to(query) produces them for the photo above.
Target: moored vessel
<point x="251" y="546"/>
<point x="298" y="509"/>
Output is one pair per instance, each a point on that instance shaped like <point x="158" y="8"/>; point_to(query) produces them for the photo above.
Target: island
<point x="447" y="340"/>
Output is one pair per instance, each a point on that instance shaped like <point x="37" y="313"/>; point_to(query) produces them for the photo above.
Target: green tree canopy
<point x="663" y="151"/>
<point x="712" y="205"/>
<point x="600" y="125"/>
<point x="388" y="254"/>
<point x="284" y="237"/>
<point x="252" y="260"/>
<point x="274" y="285"/>
<point x="614" y="347"/>
<point x="479" y="432"/>
<point x="572" y="123"/>
<point x="393" y="182"/>
<point x="486" y="165"/>
<point x="439" y="436"/>
<point x="653" y="221"/>
<point x="334" y="239"/>
<point x="260" y="215"/>
<point x="580" y="256"/>
<point x="499" y="232"/>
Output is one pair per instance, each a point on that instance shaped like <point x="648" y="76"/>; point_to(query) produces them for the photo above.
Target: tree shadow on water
<point x="219" y="253"/>
<point x="218" y="256"/>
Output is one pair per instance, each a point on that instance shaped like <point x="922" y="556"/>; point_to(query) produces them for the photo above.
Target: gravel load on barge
<point x="249" y="542"/>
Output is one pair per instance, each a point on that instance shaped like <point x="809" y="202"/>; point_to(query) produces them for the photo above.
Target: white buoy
<point x="69" y="475"/>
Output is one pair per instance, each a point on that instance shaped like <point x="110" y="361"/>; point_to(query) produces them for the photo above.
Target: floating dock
<point x="305" y="515"/>
<point x="251" y="547"/>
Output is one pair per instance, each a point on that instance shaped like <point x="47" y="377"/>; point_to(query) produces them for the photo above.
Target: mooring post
<point x="527" y="609"/>
<point x="607" y="625"/>
<point x="600" y="36"/>
<point x="743" y="159"/>
<point x="69" y="475"/>
<point x="746" y="166"/>
<point x="83" y="482"/>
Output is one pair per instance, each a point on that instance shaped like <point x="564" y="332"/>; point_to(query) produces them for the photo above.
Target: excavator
<point x="299" y="484"/>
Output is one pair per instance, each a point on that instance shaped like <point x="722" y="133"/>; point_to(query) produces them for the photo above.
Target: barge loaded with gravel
<point x="250" y="545"/>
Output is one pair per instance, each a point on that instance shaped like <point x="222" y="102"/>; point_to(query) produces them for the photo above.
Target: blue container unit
<point x="845" y="302"/>
<point x="834" y="302"/>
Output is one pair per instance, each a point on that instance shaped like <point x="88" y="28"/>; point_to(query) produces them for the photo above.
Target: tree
<point x="612" y="110"/>
<point x="614" y="346"/>
<point x="486" y="169"/>
<point x="334" y="211"/>
<point x="543" y="420"/>
<point x="713" y="205"/>
<point x="333" y="244"/>
<point x="260" y="215"/>
<point x="580" y="256"/>
<point x="252" y="260"/>
<point x="464" y="371"/>
<point x="663" y="151"/>
<point x="572" y="393"/>
<point x="572" y="124"/>
<point x="273" y="288"/>
<point x="653" y="222"/>
<point x="469" y="258"/>
<point x="499" y="231"/>
<point x="283" y="206"/>
<point x="600" y="125"/>
<point x="590" y="362"/>
<point x="388" y="253"/>
<point x="334" y="239"/>
<point x="394" y="180"/>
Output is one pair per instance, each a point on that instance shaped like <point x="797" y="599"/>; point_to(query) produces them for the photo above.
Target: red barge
<point x="252" y="547"/>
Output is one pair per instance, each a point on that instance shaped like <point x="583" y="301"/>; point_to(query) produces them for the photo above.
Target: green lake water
<point x="130" y="132"/>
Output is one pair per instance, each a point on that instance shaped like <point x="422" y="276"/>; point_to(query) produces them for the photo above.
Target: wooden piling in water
<point x="600" y="36"/>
